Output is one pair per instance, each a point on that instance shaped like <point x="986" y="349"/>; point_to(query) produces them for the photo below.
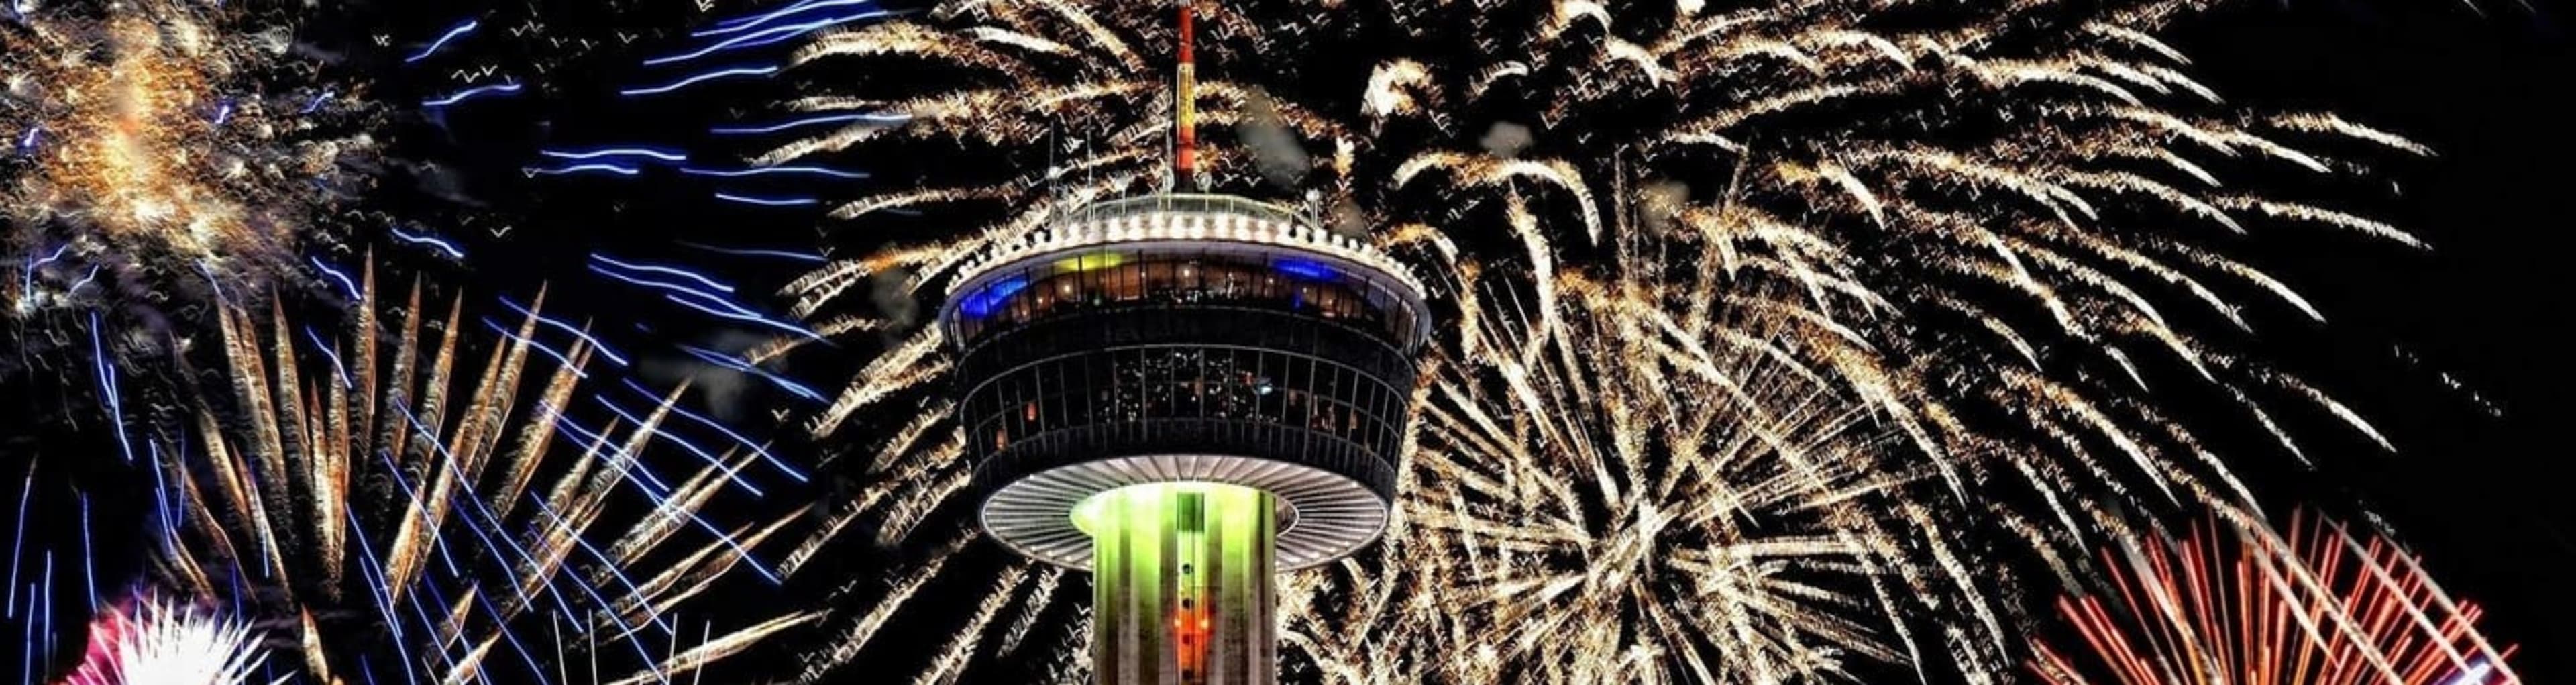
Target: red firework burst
<point x="2240" y="605"/>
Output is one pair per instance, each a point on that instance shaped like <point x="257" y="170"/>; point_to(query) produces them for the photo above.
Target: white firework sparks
<point x="155" y="641"/>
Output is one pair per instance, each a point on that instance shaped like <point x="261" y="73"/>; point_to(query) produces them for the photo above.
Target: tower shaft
<point x="1182" y="582"/>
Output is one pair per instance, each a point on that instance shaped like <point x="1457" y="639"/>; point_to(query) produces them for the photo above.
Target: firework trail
<point x="168" y="153"/>
<point x="183" y="162"/>
<point x="1994" y="224"/>
<point x="154" y="641"/>
<point x="1996" y="172"/>
<point x="1642" y="504"/>
<point x="166" y="157"/>
<point x="2237" y="604"/>
<point x="390" y="515"/>
<point x="1705" y="500"/>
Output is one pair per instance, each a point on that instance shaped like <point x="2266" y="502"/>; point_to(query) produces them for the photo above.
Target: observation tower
<point x="1187" y="395"/>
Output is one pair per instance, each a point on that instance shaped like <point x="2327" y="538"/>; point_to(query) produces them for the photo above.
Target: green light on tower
<point x="1182" y="583"/>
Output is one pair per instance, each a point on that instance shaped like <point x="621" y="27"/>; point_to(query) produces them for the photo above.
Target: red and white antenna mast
<point x="1185" y="122"/>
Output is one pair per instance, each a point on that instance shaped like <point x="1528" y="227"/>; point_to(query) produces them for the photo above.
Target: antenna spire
<point x="1185" y="153"/>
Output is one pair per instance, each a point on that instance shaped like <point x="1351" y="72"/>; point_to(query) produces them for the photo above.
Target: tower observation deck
<point x="1185" y="394"/>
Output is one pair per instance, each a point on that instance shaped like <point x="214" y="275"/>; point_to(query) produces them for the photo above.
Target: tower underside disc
<point x="1324" y="515"/>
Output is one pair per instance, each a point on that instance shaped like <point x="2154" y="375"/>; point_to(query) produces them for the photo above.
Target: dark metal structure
<point x="1186" y="338"/>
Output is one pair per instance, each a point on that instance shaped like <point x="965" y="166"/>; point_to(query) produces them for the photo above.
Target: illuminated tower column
<point x="1181" y="583"/>
<point x="1186" y="395"/>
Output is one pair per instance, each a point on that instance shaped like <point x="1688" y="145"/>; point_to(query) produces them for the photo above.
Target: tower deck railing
<point x="1188" y="202"/>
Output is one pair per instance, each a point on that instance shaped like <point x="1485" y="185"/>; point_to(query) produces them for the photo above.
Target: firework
<point x="2241" y="605"/>
<point x="153" y="641"/>
<point x="1992" y="226"/>
<point x="1991" y="173"/>
<point x="1639" y="505"/>
<point x="394" y="516"/>
<point x="1642" y="502"/>
<point x="166" y="151"/>
<point x="1644" y="505"/>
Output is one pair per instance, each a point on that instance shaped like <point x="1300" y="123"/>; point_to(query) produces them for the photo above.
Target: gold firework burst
<point x="1640" y="505"/>
<point x="396" y="517"/>
<point x="162" y="141"/>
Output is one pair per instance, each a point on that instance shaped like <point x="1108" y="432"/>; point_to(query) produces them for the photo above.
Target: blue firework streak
<point x="419" y="491"/>
<point x="18" y="540"/>
<point x="468" y="27"/>
<point x="485" y="91"/>
<point x="769" y="201"/>
<point x="725" y="55"/>
<point x="686" y="286"/>
<point x="700" y="77"/>
<point x="54" y="575"/>
<point x="443" y="246"/>
<point x="811" y="121"/>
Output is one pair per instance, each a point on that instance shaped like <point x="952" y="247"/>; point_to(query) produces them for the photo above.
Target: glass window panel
<point x="1039" y="390"/>
<point x="1088" y="387"/>
<point x="1298" y="372"/>
<point x="1197" y="381"/>
<point x="1158" y="279"/>
<point x="1265" y="386"/>
<point x="1167" y="368"/>
<point x="1139" y="383"/>
<point x="1067" y="399"/>
<point x="1328" y="377"/>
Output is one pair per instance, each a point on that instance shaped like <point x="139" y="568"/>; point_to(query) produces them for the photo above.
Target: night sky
<point x="2478" y="486"/>
<point x="2457" y="353"/>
